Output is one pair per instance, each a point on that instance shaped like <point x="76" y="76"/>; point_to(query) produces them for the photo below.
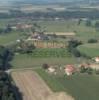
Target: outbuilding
<point x="69" y="69"/>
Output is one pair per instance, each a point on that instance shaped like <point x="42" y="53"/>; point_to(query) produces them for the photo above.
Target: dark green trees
<point x="5" y="56"/>
<point x="72" y="44"/>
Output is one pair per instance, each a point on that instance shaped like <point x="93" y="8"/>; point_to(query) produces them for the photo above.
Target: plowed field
<point x="33" y="87"/>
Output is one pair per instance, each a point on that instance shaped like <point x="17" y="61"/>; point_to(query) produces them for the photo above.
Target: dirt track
<point x="33" y="87"/>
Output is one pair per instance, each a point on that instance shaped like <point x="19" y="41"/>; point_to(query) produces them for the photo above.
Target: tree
<point x="73" y="44"/>
<point x="82" y="69"/>
<point x="97" y="26"/>
<point x="5" y="56"/>
<point x="75" y="52"/>
<point x="92" y="41"/>
<point x="8" y="29"/>
<point x="88" y="23"/>
<point x="79" y="21"/>
<point x="89" y="70"/>
<point x="45" y="66"/>
<point x="6" y="87"/>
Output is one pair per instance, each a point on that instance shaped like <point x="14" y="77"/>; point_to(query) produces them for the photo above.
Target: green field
<point x="82" y="31"/>
<point x="8" y="38"/>
<point x="41" y="56"/>
<point x="81" y="87"/>
<point x="65" y="26"/>
<point x="50" y="52"/>
<point x="91" y="50"/>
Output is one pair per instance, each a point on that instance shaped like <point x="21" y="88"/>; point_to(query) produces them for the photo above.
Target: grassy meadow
<point x="80" y="86"/>
<point x="41" y="56"/>
<point x="6" y="39"/>
<point x="91" y="50"/>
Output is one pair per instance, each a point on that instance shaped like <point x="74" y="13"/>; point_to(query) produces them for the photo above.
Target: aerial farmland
<point x="49" y="50"/>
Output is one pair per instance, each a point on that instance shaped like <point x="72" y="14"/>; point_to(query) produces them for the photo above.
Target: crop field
<point x="49" y="44"/>
<point x="91" y="50"/>
<point x="32" y="87"/>
<point x="65" y="26"/>
<point x="41" y="56"/>
<point x="50" y="53"/>
<point x="43" y="8"/>
<point x="80" y="86"/>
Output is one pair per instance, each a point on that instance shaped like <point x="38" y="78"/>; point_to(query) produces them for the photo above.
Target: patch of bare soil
<point x="33" y="87"/>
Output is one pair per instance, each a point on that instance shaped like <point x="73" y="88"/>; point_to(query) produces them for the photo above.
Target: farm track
<point x="33" y="87"/>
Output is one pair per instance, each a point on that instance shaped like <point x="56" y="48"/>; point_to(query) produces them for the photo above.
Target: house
<point x="69" y="69"/>
<point x="94" y="66"/>
<point x="51" y="69"/>
<point x="96" y="59"/>
<point x="21" y="26"/>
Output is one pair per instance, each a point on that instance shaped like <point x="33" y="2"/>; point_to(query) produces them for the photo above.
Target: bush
<point x="97" y="72"/>
<point x="75" y="52"/>
<point x="92" y="41"/>
<point x="45" y="66"/>
<point x="89" y="71"/>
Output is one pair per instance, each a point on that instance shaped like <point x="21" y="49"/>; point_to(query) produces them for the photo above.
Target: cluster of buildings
<point x="71" y="69"/>
<point x="21" y="26"/>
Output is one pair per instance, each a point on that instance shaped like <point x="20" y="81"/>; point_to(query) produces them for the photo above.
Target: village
<point x="42" y="39"/>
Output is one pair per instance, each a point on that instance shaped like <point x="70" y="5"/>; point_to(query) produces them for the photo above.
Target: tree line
<point x="92" y="14"/>
<point x="8" y="91"/>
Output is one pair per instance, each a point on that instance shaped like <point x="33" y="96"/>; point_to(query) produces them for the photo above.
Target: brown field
<point x="62" y="33"/>
<point x="33" y="87"/>
<point x="42" y="44"/>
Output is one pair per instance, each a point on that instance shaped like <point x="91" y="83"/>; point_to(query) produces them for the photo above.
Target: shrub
<point x="97" y="72"/>
<point x="92" y="41"/>
<point x="45" y="66"/>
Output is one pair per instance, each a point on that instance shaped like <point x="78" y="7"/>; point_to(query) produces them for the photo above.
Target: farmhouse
<point x="51" y="69"/>
<point x="69" y="69"/>
<point x="94" y="66"/>
<point x="21" y="26"/>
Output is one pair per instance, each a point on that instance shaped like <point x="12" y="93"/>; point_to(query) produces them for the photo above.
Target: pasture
<point x="82" y="32"/>
<point x="91" y="50"/>
<point x="80" y="86"/>
<point x="7" y="39"/>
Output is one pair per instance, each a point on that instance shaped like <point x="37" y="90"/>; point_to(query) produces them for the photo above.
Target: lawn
<point x="41" y="56"/>
<point x="6" y="39"/>
<point x="81" y="87"/>
<point x="91" y="50"/>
